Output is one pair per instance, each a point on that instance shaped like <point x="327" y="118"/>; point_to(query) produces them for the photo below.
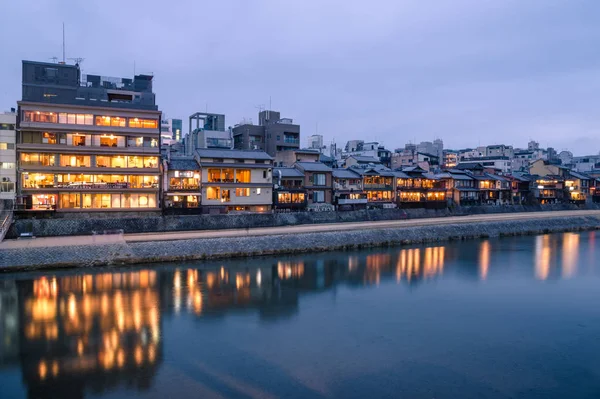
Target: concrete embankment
<point x="137" y="249"/>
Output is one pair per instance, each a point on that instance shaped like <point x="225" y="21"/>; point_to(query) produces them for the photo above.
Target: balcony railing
<point x="290" y="140"/>
<point x="184" y="187"/>
<point x="348" y="201"/>
<point x="377" y="185"/>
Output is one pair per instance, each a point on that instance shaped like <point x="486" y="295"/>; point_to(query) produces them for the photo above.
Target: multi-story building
<point x="181" y="183"/>
<point x="378" y="185"/>
<point x="8" y="157"/>
<point x="235" y="180"/>
<point x="500" y="163"/>
<point x="348" y="191"/>
<point x="317" y="181"/>
<point x="272" y="134"/>
<point x="315" y="142"/>
<point x="86" y="142"/>
<point x="207" y="131"/>
<point x="415" y="188"/>
<point x="289" y="193"/>
<point x="290" y="157"/>
<point x="171" y="129"/>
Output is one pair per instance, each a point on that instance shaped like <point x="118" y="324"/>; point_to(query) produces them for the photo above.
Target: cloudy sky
<point x="467" y="71"/>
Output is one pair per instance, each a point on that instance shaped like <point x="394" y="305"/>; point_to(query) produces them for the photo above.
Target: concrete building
<point x="86" y="142"/>
<point x="290" y="157"/>
<point x="434" y="148"/>
<point x="586" y="163"/>
<point x="503" y="164"/>
<point x="171" y="129"/>
<point x="499" y="150"/>
<point x="272" y="134"/>
<point x="8" y="155"/>
<point x="207" y="131"/>
<point x="235" y="180"/>
<point x="315" y="142"/>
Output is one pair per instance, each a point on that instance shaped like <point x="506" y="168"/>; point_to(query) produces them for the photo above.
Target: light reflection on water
<point x="71" y="333"/>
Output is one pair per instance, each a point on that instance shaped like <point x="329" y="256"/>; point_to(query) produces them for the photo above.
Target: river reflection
<point x="73" y="334"/>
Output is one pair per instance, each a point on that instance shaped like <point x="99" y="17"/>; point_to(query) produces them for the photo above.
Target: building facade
<point x="171" y="129"/>
<point x="272" y="134"/>
<point x="235" y="180"/>
<point x="85" y="142"/>
<point x="8" y="155"/>
<point x="317" y="181"/>
<point x="181" y="184"/>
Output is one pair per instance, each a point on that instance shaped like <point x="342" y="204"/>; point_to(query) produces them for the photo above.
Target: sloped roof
<point x="287" y="173"/>
<point x="580" y="175"/>
<point x="232" y="154"/>
<point x="313" y="166"/>
<point x="363" y="159"/>
<point x="345" y="174"/>
<point x="183" y="164"/>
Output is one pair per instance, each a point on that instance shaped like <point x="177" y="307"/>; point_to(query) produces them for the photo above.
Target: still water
<point x="505" y="318"/>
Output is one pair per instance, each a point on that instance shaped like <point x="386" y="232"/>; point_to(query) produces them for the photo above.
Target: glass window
<point x="7" y="165"/>
<point x="150" y="162"/>
<point x="37" y="159"/>
<point x="7" y="187"/>
<point x="319" y="196"/>
<point x="38" y="116"/>
<point x="319" y="179"/>
<point x="79" y="140"/>
<point x="214" y="175"/>
<point x="242" y="176"/>
<point x="213" y="193"/>
<point x="48" y="138"/>
<point x="135" y="162"/>
<point x="37" y="180"/>
<point x="7" y="126"/>
<point x="116" y="121"/>
<point x="75" y="161"/>
<point x="70" y="200"/>
<point x="7" y="146"/>
<point x="242" y="192"/>
<point x="143" y="123"/>
<point x="225" y="195"/>
<point x="108" y="141"/>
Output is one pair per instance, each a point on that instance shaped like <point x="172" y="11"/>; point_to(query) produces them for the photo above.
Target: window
<point x="278" y="137"/>
<point x="290" y="198"/>
<point x="79" y="140"/>
<point x="242" y="176"/>
<point x="143" y="123"/>
<point x="213" y="193"/>
<point x="258" y="190"/>
<point x="37" y="159"/>
<point x="38" y="116"/>
<point x="7" y="126"/>
<point x="150" y="162"/>
<point x="319" y="196"/>
<point x="70" y="200"/>
<point x="108" y="141"/>
<point x="76" y="119"/>
<point x="135" y="162"/>
<point x="7" y="165"/>
<point x="48" y="138"/>
<point x="319" y="179"/>
<point x="225" y="195"/>
<point x="242" y="192"/>
<point x="7" y="187"/>
<point x="116" y="121"/>
<point x="76" y="161"/>
<point x="264" y="174"/>
<point x="7" y="146"/>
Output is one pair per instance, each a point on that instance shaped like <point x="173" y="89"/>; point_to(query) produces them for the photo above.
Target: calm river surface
<point x="502" y="318"/>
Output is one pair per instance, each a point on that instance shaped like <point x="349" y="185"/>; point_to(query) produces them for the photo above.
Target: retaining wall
<point x="193" y="249"/>
<point x="155" y="223"/>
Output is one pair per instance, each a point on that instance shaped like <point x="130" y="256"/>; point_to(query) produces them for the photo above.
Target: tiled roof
<point x="345" y="174"/>
<point x="313" y="166"/>
<point x="579" y="175"/>
<point x="183" y="164"/>
<point x="287" y="172"/>
<point x="232" y="154"/>
<point x="363" y="159"/>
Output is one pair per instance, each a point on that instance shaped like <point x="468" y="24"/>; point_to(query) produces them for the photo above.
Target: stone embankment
<point x="137" y="249"/>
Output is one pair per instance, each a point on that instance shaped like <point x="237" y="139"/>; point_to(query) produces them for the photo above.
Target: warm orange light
<point x="43" y="369"/>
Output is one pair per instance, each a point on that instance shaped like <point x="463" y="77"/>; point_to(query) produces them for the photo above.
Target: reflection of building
<point x="9" y="322"/>
<point x="89" y="331"/>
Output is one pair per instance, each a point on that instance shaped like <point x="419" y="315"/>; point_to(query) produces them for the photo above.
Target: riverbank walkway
<point x="295" y="229"/>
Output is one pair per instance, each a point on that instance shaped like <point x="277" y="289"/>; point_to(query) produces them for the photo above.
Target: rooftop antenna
<point x="134" y="68"/>
<point x="63" y="42"/>
<point x="78" y="60"/>
<point x="55" y="59"/>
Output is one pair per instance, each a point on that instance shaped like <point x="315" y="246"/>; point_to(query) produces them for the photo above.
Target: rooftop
<point x="364" y="159"/>
<point x="345" y="174"/>
<point x="232" y="154"/>
<point x="287" y="172"/>
<point x="313" y="166"/>
<point x="186" y="163"/>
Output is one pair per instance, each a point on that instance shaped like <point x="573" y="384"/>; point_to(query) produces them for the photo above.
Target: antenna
<point x="63" y="42"/>
<point x="78" y="60"/>
<point x="270" y="108"/>
<point x="134" y="68"/>
<point x="55" y="59"/>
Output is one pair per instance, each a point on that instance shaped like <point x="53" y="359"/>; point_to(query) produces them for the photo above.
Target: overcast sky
<point x="467" y="71"/>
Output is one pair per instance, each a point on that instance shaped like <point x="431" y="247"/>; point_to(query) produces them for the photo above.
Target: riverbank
<point x="90" y="251"/>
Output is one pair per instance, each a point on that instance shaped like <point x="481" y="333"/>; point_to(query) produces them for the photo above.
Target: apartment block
<point x="8" y="158"/>
<point x="86" y="142"/>
<point x="272" y="134"/>
<point x="235" y="180"/>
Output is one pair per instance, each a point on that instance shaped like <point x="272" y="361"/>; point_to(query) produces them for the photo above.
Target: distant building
<point x="8" y="154"/>
<point x="502" y="164"/>
<point x="271" y="135"/>
<point x="171" y="130"/>
<point x="315" y="142"/>
<point x="207" y="131"/>
<point x="290" y="157"/>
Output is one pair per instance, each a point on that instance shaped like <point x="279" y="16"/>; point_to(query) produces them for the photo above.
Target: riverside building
<point x="86" y="142"/>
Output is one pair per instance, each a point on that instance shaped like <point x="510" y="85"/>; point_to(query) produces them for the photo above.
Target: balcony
<point x="369" y="186"/>
<point x="186" y="187"/>
<point x="348" y="201"/>
<point x="291" y="140"/>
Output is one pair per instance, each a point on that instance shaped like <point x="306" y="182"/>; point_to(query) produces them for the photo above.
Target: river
<point x="500" y="318"/>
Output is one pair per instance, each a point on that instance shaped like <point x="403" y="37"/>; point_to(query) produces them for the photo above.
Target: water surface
<point x="505" y="318"/>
